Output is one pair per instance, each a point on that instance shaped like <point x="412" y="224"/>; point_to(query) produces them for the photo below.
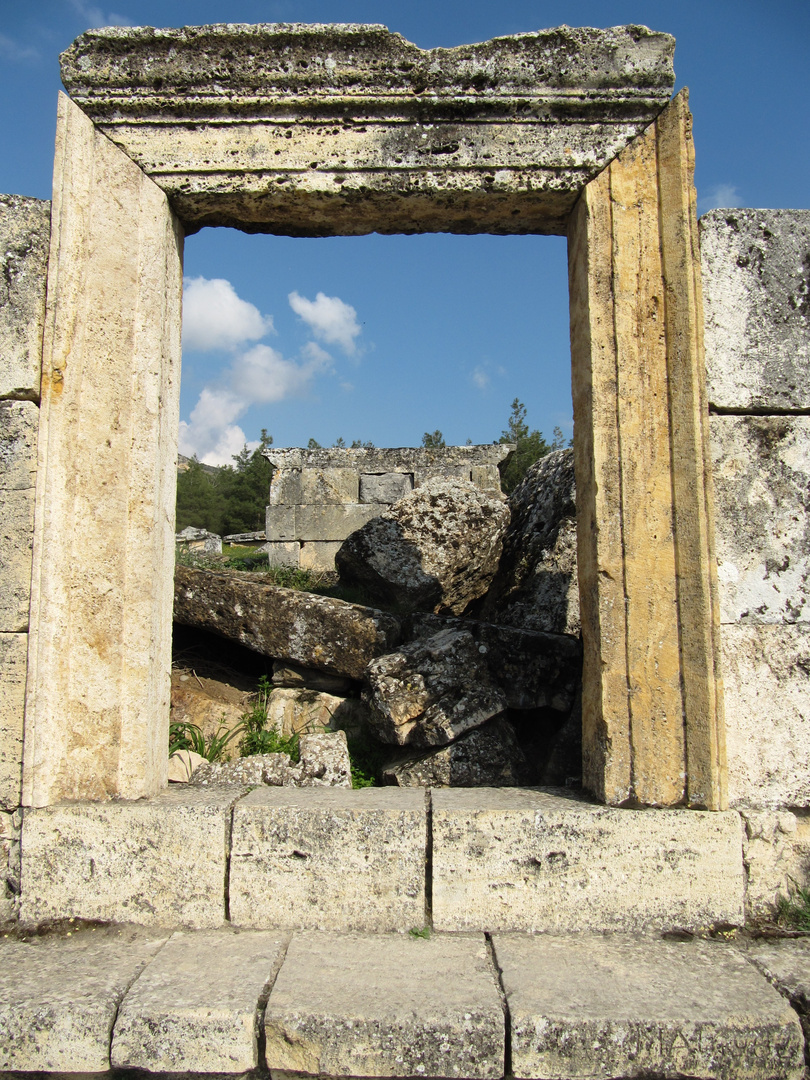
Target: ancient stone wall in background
<point x="24" y="238"/>
<point x="319" y="497"/>
<point x="756" y="282"/>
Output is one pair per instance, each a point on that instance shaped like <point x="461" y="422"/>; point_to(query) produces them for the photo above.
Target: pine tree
<point x="530" y="447"/>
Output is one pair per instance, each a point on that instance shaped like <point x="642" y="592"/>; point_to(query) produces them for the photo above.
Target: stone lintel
<point x="302" y="120"/>
<point x="385" y="459"/>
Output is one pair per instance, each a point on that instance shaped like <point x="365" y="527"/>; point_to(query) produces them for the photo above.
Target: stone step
<point x="317" y="1004"/>
<point x="383" y="859"/>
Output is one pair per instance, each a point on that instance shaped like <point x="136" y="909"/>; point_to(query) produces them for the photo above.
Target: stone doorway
<point x="330" y="130"/>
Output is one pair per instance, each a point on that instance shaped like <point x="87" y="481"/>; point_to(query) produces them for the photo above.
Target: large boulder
<point x="430" y="692"/>
<point x="437" y="549"/>
<point x="489" y="756"/>
<point x="288" y="624"/>
<point x="536" y="585"/>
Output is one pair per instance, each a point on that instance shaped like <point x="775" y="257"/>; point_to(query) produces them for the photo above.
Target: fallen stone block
<point x="754" y="269"/>
<point x="157" y="862"/>
<point x="489" y="756"/>
<point x="436" y="549"/>
<point x="385" y="1006"/>
<point x="586" y="1006"/>
<point x="536" y="586"/>
<point x="287" y="624"/>
<point x="546" y="861"/>
<point x="295" y="677"/>
<point x="431" y="691"/>
<point x="311" y="711"/>
<point x="59" y="997"/>
<point x="535" y="670"/>
<point x="196" y="1007"/>
<point x="329" y="859"/>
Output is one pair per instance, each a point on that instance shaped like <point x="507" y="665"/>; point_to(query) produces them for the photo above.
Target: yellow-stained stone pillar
<point x="97" y="704"/>
<point x="653" y="731"/>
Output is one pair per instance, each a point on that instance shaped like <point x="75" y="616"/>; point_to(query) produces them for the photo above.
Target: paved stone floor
<point x="472" y="1006"/>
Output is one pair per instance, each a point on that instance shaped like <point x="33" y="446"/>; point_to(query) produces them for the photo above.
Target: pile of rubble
<point x="464" y="666"/>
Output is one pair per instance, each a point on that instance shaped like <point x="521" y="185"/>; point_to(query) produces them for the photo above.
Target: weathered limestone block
<point x="318" y="555"/>
<point x="294" y="677"/>
<point x="329" y="486"/>
<point x="536" y="586"/>
<point x="157" y="862"/>
<point x="385" y="1005"/>
<point x="333" y="523"/>
<point x="756" y="298"/>
<point x="587" y="1006"/>
<point x="777" y="858"/>
<point x="593" y="89"/>
<point x="274" y="769"/>
<point x="183" y="764"/>
<point x="324" y="761"/>
<point x="329" y="859"/>
<point x="25" y="235"/>
<point x="786" y="964"/>
<point x="98" y="687"/>
<point x="283" y="553"/>
<point x="210" y="706"/>
<point x="762" y="498"/>
<point x="431" y="691"/>
<point x="19" y="422"/>
<point x="766" y="676"/>
<point x="311" y="711"/>
<point x="316" y="631"/>
<point x="535" y="670"/>
<point x="384" y="487"/>
<point x="13" y="667"/>
<point x="488" y="756"/>
<point x="200" y="540"/>
<point x="59" y="997"/>
<point x="579" y="866"/>
<point x="196" y="1007"/>
<point x="436" y="549"/>
<point x="280" y="525"/>
<point x="487" y="477"/>
<point x="366" y="460"/>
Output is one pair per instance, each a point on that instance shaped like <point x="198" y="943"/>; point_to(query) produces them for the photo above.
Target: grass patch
<point x="793" y="912"/>
<point x="186" y="736"/>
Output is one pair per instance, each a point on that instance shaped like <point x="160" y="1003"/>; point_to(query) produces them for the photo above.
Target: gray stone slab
<point x="532" y="860"/>
<point x="25" y="235"/>
<point x="386" y="1005"/>
<point x="766" y="680"/>
<point x="318" y="555"/>
<point x="19" y="423"/>
<point x="329" y="859"/>
<point x="59" y="997"/>
<point x="384" y="487"/>
<point x="786" y="964"/>
<point x="13" y="668"/>
<point x="282" y="552"/>
<point x="196" y="1008"/>
<point x="584" y="1007"/>
<point x="761" y="467"/>
<point x="315" y="522"/>
<point x="279" y="524"/>
<point x="384" y="459"/>
<point x="330" y="486"/>
<point x="756" y="298"/>
<point x="157" y="862"/>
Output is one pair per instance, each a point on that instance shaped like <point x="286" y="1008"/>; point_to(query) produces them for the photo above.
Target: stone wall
<point x="319" y="497"/>
<point x="24" y="239"/>
<point x="756" y="282"/>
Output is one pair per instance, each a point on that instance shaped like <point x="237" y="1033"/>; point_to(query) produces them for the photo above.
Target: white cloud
<point x="480" y="378"/>
<point x="329" y="318"/>
<point x="96" y="16"/>
<point x="214" y="317"/>
<point x="210" y="432"/>
<point x="263" y="375"/>
<point x="720" y="197"/>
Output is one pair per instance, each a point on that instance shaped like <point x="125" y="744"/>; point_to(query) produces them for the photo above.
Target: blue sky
<point x="384" y="338"/>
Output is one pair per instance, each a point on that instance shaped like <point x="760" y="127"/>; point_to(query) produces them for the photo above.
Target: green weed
<point x="420" y="932"/>
<point x="793" y="912"/>
<point x="186" y="736"/>
<point x="257" y="737"/>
